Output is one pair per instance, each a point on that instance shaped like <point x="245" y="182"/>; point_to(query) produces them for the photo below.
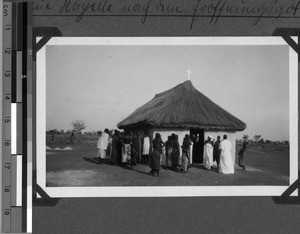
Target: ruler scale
<point x="6" y="132"/>
<point x="16" y="129"/>
<point x="17" y="116"/>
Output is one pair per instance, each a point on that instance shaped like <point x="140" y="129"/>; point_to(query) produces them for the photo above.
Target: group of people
<point x="172" y="149"/>
<point x="117" y="147"/>
<point x="123" y="150"/>
<point x="219" y="151"/>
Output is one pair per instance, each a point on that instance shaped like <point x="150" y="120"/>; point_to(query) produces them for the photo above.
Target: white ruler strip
<point x="14" y="128"/>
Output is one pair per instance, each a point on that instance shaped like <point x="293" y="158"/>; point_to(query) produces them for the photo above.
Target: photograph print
<point x="142" y="112"/>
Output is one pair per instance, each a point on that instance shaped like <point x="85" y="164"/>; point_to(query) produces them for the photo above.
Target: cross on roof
<point x="188" y="72"/>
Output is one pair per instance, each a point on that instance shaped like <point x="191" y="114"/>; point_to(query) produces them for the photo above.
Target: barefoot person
<point x="175" y="151"/>
<point x="115" y="146"/>
<point x="126" y="152"/>
<point x="242" y="152"/>
<point x="158" y="144"/>
<point x="208" y="153"/>
<point x="226" y="163"/>
<point x="169" y="149"/>
<point x="146" y="148"/>
<point x="102" y="146"/>
<point x="185" y="153"/>
<point x="197" y="149"/>
<point x="216" y="153"/>
<point x="193" y="137"/>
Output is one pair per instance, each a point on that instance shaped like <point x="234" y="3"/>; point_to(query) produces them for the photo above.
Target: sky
<point x="102" y="84"/>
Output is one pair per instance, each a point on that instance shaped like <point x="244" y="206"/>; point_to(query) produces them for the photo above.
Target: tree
<point x="256" y="138"/>
<point x="261" y="140"/>
<point x="268" y="141"/>
<point x="78" y="125"/>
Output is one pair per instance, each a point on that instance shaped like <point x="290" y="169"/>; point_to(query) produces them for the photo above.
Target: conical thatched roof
<point x="182" y="107"/>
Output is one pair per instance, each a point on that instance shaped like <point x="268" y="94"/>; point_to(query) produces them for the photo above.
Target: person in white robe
<point x="191" y="150"/>
<point x="226" y="163"/>
<point x="146" y="148"/>
<point x="126" y="152"/>
<point x="208" y="153"/>
<point x="102" y="145"/>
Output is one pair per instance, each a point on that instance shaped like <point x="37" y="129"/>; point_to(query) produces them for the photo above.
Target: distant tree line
<point x="260" y="139"/>
<point x="258" y="143"/>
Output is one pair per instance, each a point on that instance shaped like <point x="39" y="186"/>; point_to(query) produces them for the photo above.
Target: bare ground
<point x="78" y="168"/>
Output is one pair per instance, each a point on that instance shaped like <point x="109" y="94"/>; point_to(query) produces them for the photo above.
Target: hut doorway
<point x="198" y="146"/>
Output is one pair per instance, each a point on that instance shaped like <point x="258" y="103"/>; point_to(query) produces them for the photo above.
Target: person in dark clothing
<point x="185" y="153"/>
<point x="119" y="144"/>
<point x="175" y="151"/>
<point x="169" y="148"/>
<point x="197" y="153"/>
<point x="158" y="144"/>
<point x="135" y="148"/>
<point x="242" y="153"/>
<point x="216" y="152"/>
<point x="115" y="142"/>
<point x="72" y="138"/>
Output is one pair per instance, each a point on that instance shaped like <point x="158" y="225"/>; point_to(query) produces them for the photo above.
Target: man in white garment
<point x="102" y="146"/>
<point x="191" y="149"/>
<point x="226" y="163"/>
<point x="146" y="148"/>
<point x="208" y="153"/>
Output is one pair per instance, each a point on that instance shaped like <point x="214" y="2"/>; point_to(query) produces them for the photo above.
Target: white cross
<point x="188" y="72"/>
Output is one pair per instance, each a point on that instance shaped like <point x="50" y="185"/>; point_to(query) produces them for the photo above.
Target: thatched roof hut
<point x="182" y="107"/>
<point x="183" y="110"/>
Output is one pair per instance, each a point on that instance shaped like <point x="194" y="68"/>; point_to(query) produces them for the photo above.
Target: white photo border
<point x="163" y="191"/>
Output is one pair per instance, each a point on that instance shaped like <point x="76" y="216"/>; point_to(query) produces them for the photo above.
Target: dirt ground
<point x="78" y="168"/>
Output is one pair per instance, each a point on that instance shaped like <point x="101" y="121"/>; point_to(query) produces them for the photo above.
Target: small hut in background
<point x="183" y="110"/>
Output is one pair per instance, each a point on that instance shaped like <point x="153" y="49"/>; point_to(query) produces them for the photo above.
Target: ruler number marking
<point x="7" y="27"/>
<point x="7" y="189"/>
<point x="7" y="74"/>
<point x="7" y="120"/>
<point x="5" y="10"/>
<point x="6" y="212"/>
